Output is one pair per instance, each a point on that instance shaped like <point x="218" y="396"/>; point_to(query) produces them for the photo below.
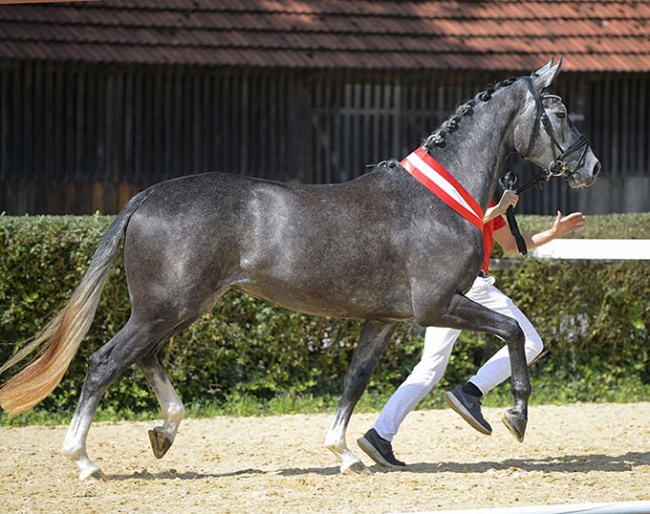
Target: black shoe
<point x="469" y="407"/>
<point x="379" y="450"/>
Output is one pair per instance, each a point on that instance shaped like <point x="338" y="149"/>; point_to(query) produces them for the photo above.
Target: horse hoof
<point x="94" y="474"/>
<point x="357" y="468"/>
<point x="160" y="442"/>
<point x="99" y="476"/>
<point x="515" y="424"/>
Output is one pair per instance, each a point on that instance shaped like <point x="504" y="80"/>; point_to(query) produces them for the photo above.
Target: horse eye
<point x="560" y="114"/>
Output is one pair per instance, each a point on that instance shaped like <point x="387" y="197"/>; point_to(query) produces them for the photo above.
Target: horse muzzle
<point x="582" y="171"/>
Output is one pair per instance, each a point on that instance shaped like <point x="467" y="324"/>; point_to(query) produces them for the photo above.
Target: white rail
<point x="639" y="507"/>
<point x="597" y="249"/>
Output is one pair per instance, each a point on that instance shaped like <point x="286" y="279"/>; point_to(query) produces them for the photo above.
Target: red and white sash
<point x="440" y="182"/>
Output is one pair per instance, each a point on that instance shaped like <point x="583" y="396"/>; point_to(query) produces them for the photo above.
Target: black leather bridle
<point x="558" y="167"/>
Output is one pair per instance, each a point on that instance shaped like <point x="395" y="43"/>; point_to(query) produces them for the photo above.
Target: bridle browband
<point x="558" y="166"/>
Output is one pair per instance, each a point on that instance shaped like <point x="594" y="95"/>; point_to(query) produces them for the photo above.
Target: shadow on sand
<point x="562" y="464"/>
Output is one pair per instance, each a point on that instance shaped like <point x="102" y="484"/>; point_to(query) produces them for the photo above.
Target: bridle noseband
<point x="558" y="166"/>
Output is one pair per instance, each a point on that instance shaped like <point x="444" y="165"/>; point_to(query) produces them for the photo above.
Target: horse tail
<point x="59" y="341"/>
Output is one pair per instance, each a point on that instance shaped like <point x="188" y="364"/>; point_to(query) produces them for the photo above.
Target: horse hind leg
<point x="130" y="344"/>
<point x="162" y="437"/>
<point x="103" y="368"/>
<point x="374" y="337"/>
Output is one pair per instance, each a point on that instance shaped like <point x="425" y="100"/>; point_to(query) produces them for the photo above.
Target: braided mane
<point x="437" y="138"/>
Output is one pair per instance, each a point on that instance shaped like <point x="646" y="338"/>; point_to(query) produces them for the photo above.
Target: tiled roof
<point x="506" y="34"/>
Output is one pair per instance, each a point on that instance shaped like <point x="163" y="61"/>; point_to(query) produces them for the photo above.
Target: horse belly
<point x="333" y="299"/>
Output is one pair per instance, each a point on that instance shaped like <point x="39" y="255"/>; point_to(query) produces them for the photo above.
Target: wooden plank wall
<point x="78" y="139"/>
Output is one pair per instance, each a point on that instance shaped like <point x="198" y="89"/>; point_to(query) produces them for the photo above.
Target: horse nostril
<point x="596" y="169"/>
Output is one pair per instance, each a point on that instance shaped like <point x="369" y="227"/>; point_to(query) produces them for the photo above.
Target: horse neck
<point x="476" y="152"/>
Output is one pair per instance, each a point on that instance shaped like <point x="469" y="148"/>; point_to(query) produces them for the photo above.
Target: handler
<point x="439" y="342"/>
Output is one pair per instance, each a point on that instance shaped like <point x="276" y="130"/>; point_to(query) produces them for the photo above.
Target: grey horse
<point x="381" y="248"/>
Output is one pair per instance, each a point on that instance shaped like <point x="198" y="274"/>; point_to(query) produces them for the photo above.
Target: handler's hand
<point x="508" y="199"/>
<point x="565" y="224"/>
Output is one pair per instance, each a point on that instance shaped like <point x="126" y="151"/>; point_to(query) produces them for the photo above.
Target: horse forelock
<point x="438" y="137"/>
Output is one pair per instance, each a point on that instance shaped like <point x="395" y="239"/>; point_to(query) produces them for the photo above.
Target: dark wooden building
<point x="100" y="99"/>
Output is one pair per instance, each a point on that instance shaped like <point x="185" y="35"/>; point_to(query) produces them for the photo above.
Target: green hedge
<point x="594" y="318"/>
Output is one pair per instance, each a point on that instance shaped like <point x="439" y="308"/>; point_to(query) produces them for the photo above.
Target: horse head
<point x="546" y="136"/>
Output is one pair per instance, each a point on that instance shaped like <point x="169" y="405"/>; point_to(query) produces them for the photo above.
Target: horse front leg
<point x="464" y="314"/>
<point x="171" y="406"/>
<point x="374" y="337"/>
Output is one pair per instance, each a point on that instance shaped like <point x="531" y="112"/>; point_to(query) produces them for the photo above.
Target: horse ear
<point x="544" y="77"/>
